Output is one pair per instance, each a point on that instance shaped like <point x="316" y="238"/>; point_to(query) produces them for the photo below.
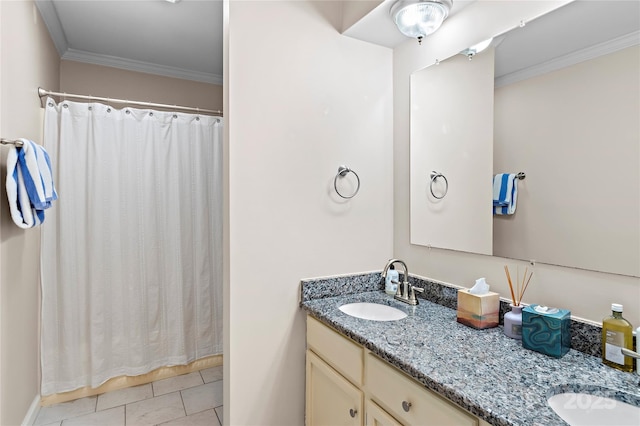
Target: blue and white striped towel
<point x="505" y="193"/>
<point x="29" y="184"/>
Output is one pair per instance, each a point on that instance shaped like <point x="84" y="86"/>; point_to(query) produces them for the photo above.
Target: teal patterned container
<point x="546" y="330"/>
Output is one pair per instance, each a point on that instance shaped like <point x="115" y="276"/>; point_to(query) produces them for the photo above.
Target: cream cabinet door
<point x="331" y="399"/>
<point x="376" y="416"/>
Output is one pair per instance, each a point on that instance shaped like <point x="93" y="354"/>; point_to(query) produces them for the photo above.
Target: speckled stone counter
<point x="483" y="371"/>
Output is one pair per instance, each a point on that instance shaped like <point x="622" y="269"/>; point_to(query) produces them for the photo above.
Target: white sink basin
<point x="372" y="311"/>
<point x="586" y="409"/>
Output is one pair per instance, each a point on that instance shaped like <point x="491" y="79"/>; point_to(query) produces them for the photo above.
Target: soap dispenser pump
<point x="391" y="281"/>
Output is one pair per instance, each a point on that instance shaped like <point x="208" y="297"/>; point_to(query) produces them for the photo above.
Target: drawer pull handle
<point x="353" y="412"/>
<point x="406" y="406"/>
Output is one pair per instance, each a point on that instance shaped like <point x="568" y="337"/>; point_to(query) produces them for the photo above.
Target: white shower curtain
<point x="132" y="251"/>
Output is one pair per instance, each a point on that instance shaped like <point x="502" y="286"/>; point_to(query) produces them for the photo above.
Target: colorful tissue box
<point x="478" y="310"/>
<point x="546" y="330"/>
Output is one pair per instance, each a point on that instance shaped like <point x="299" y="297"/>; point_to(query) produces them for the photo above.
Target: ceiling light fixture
<point x="173" y="1"/>
<point x="419" y="18"/>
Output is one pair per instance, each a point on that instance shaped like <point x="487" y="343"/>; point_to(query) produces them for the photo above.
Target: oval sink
<point x="372" y="311"/>
<point x="587" y="409"/>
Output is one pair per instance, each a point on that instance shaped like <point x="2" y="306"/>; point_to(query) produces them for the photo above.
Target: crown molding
<point x="140" y="66"/>
<point x="51" y="20"/>
<point x="595" y="51"/>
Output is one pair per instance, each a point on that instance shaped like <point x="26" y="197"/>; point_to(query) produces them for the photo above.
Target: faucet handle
<point x="412" y="294"/>
<point x="630" y="353"/>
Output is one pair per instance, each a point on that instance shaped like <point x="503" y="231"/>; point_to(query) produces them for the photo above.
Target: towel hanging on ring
<point x="29" y="184"/>
<point x="505" y="193"/>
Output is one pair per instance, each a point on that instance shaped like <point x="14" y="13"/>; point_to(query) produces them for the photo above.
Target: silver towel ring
<point x="435" y="175"/>
<point x="342" y="172"/>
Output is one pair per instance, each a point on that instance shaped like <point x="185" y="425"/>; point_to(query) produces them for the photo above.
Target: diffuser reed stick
<point x="520" y="288"/>
<point x="525" y="285"/>
<point x="513" y="297"/>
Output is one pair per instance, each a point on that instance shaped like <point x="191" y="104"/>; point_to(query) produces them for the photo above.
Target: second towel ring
<point x="342" y="172"/>
<point x="435" y="175"/>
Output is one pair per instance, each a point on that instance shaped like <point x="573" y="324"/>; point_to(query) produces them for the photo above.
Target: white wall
<point x="28" y="59"/>
<point x="302" y="100"/>
<point x="452" y="134"/>
<point x="587" y="294"/>
<point x="353" y="11"/>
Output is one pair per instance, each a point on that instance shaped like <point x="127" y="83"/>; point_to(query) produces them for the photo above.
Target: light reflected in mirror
<point x="566" y="108"/>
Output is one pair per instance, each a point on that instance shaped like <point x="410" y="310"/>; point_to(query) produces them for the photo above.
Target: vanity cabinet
<point x="331" y="399"/>
<point x="349" y="385"/>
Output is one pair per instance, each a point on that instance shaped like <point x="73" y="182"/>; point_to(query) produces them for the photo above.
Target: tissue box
<point x="546" y="330"/>
<point x="478" y="310"/>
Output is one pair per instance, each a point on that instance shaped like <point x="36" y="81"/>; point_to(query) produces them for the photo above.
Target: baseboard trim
<point x="32" y="413"/>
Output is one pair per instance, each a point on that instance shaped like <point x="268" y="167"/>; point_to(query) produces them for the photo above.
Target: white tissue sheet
<point x="480" y="287"/>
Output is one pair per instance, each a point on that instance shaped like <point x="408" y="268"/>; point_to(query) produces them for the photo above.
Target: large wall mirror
<point x="566" y="112"/>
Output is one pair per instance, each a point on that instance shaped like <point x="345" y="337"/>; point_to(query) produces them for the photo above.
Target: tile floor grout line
<point x="217" y="416"/>
<point x="183" y="406"/>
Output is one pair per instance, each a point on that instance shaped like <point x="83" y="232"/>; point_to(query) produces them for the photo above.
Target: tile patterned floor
<point x="192" y="399"/>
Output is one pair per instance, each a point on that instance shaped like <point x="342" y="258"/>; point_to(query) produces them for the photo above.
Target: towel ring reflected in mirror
<point x="435" y="175"/>
<point x="342" y="172"/>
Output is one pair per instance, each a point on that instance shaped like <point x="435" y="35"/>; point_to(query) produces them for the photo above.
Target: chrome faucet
<point x="406" y="292"/>
<point x="632" y="354"/>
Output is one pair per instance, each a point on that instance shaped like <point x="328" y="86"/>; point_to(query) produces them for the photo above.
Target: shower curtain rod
<point x="42" y="93"/>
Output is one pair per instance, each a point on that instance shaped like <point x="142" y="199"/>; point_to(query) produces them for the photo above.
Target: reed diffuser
<point x="513" y="319"/>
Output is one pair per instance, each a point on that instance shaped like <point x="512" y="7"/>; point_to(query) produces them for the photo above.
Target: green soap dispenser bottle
<point x="617" y="333"/>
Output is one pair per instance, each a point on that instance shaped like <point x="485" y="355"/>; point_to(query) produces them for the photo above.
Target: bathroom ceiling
<point x="182" y="40"/>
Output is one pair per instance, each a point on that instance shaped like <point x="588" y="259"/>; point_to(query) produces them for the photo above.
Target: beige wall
<point x="587" y="294"/>
<point x="580" y="203"/>
<point x="226" y="268"/>
<point x="302" y="100"/>
<point x="28" y="59"/>
<point x="96" y="80"/>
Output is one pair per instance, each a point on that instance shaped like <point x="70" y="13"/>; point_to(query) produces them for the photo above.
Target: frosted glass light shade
<point x="419" y="18"/>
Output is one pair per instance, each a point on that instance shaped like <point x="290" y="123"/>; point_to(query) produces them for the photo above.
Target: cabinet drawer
<point x="338" y="351"/>
<point x="390" y="388"/>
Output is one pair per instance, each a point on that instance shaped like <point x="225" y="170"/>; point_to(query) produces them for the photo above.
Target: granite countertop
<point x="483" y="371"/>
